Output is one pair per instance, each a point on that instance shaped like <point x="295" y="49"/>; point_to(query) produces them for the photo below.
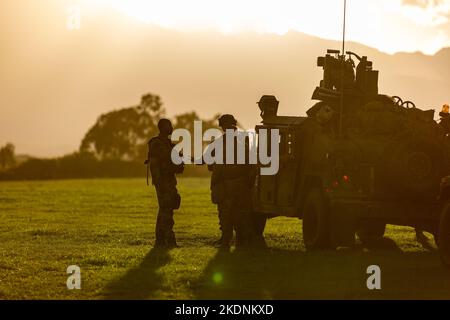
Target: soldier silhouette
<point x="163" y="172"/>
<point x="231" y="187"/>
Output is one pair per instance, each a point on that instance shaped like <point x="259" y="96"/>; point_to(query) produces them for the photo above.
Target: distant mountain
<point x="56" y="83"/>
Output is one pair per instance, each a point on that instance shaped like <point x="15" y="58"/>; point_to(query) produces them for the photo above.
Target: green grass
<point x="106" y="227"/>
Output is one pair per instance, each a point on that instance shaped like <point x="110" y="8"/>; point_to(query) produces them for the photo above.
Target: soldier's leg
<point x="160" y="237"/>
<point x="159" y="231"/>
<point x="221" y="225"/>
<point x="259" y="222"/>
<point x="237" y="226"/>
<point x="170" y="234"/>
<point x="243" y="220"/>
<point x="241" y="227"/>
<point x="251" y="237"/>
<point x="169" y="221"/>
<point x="227" y="225"/>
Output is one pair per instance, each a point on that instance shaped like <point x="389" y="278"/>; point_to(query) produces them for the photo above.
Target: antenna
<point x="344" y="27"/>
<point x="343" y="69"/>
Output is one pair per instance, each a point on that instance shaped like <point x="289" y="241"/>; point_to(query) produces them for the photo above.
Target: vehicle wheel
<point x="444" y="236"/>
<point x="414" y="166"/>
<point x="316" y="224"/>
<point x="371" y="231"/>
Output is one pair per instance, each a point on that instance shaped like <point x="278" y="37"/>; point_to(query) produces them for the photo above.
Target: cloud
<point x="428" y="12"/>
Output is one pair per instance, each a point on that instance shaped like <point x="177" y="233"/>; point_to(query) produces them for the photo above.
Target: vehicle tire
<point x="370" y="231"/>
<point x="444" y="235"/>
<point x="316" y="222"/>
<point x="414" y="167"/>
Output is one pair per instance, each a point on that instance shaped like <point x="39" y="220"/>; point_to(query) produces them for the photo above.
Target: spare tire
<point x="316" y="222"/>
<point x="414" y="166"/>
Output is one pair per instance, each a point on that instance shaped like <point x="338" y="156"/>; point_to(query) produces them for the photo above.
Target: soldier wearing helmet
<point x="231" y="186"/>
<point x="163" y="173"/>
<point x="268" y="106"/>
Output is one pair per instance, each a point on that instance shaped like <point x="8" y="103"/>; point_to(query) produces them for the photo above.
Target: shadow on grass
<point x="380" y="245"/>
<point x="140" y="282"/>
<point x="280" y="274"/>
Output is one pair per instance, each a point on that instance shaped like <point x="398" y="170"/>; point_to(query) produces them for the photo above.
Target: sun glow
<point x="263" y="16"/>
<point x="388" y="25"/>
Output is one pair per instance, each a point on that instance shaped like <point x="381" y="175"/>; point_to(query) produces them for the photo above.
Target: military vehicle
<point x="358" y="161"/>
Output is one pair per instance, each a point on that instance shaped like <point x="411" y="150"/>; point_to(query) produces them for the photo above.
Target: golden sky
<point x="198" y="55"/>
<point x="388" y="25"/>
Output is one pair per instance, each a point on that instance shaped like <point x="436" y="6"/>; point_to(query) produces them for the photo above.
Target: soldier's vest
<point x="162" y="171"/>
<point x="226" y="173"/>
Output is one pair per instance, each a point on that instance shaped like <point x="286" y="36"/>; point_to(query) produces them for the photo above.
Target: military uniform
<point x="163" y="178"/>
<point x="231" y="188"/>
<point x="214" y="199"/>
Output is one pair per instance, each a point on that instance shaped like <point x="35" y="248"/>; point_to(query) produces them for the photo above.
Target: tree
<point x="186" y="121"/>
<point x="123" y="134"/>
<point x="7" y="156"/>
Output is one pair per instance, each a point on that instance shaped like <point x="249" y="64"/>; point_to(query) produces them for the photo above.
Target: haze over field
<point x="55" y="82"/>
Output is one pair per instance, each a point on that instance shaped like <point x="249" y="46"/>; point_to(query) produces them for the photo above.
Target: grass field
<point x="106" y="228"/>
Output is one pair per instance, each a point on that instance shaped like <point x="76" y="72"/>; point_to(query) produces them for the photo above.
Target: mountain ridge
<point x="55" y="83"/>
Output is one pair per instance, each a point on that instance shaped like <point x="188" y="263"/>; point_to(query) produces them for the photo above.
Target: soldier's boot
<point x="160" y="238"/>
<point x="160" y="244"/>
<point x="160" y="241"/>
<point x="171" y="240"/>
<point x="172" y="244"/>
<point x="242" y="240"/>
<point x="227" y="237"/>
<point x="219" y="242"/>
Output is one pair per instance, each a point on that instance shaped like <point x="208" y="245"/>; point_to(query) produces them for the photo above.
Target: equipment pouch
<point x="176" y="201"/>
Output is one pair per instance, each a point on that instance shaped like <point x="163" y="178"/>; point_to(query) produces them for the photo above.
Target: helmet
<point x="227" y="120"/>
<point x="268" y="99"/>
<point x="268" y="106"/>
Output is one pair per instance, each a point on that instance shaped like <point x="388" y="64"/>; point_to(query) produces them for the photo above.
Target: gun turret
<point x="339" y="70"/>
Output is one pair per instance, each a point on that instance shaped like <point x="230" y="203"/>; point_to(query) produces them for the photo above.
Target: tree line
<point x="115" y="146"/>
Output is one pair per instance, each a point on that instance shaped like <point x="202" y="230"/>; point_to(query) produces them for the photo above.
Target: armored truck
<point x="358" y="160"/>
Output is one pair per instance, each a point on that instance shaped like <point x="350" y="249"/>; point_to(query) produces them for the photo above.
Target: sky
<point x="65" y="62"/>
<point x="388" y="25"/>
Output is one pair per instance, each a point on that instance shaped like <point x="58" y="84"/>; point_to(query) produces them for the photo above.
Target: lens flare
<point x="218" y="278"/>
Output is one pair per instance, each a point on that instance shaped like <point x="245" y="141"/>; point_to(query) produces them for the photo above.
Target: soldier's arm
<point x="155" y="160"/>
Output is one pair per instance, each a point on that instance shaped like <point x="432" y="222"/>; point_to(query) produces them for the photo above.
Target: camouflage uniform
<point x="215" y="200"/>
<point x="163" y="178"/>
<point x="231" y="187"/>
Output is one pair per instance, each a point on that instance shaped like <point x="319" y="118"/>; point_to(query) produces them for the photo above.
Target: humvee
<point x="358" y="161"/>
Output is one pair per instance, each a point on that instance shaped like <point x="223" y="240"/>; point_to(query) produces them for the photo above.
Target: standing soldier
<point x="163" y="172"/>
<point x="231" y="187"/>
